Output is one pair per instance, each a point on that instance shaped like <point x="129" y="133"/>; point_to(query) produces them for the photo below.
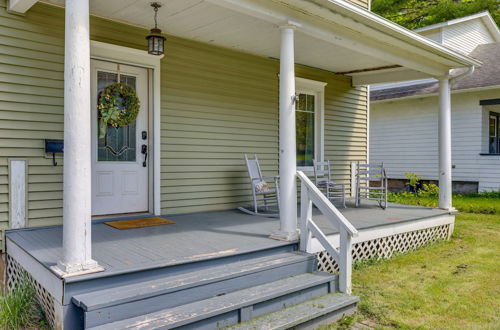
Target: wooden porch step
<point x="238" y="306"/>
<point x="135" y="299"/>
<point x="311" y="313"/>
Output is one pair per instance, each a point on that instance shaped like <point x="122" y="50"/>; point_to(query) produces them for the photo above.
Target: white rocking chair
<point x="335" y="192"/>
<point x="266" y="199"/>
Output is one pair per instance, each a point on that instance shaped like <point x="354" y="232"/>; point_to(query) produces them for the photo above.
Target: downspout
<point x="461" y="76"/>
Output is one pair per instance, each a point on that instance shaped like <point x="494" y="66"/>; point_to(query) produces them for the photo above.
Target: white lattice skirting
<point x="15" y="272"/>
<point x="385" y="247"/>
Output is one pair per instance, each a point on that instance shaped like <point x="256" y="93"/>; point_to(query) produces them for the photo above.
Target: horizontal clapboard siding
<point x="466" y="36"/>
<point x="404" y="135"/>
<point x="216" y="105"/>
<point x="31" y="108"/>
<point x="362" y="3"/>
<point x="219" y="104"/>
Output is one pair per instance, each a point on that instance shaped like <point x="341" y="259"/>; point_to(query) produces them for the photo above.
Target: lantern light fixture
<point x="156" y="42"/>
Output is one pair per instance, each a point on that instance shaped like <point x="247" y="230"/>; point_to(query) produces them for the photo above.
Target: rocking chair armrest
<point x="332" y="183"/>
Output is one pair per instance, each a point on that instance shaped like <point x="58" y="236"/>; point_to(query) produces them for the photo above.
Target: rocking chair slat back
<point x="253" y="168"/>
<point x="322" y="176"/>
<point x="265" y="196"/>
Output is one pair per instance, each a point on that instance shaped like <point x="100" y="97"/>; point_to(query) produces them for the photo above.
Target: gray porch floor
<point x="194" y="237"/>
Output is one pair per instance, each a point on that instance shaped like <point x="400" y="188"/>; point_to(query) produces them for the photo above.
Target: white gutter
<point x="470" y="70"/>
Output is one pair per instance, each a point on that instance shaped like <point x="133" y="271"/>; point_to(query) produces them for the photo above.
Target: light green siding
<point x="217" y="104"/>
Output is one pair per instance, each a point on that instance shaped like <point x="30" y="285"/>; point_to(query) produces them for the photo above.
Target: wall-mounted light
<point x="156" y="42"/>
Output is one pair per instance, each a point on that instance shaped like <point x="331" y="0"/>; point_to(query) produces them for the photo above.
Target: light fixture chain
<point x="156" y="17"/>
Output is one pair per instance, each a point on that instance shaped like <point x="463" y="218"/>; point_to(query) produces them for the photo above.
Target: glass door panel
<point x="119" y="144"/>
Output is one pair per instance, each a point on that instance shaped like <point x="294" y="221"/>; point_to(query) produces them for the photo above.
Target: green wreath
<point x="117" y="106"/>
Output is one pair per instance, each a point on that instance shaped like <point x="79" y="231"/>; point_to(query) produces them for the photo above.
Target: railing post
<point x="345" y="262"/>
<point x="305" y="216"/>
<point x="353" y="179"/>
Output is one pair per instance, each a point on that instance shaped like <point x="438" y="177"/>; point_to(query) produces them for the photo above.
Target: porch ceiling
<point x="325" y="38"/>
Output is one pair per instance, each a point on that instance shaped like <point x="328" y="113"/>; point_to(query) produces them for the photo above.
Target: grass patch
<point x="19" y="308"/>
<point x="452" y="284"/>
<point x="447" y="285"/>
<point x="483" y="203"/>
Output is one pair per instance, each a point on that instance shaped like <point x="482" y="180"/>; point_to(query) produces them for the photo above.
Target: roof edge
<point x="379" y="23"/>
<point x="453" y="91"/>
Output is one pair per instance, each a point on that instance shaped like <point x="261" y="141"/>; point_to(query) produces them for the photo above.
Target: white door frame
<point x="130" y="56"/>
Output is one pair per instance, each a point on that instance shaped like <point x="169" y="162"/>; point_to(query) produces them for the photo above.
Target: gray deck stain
<point x="195" y="237"/>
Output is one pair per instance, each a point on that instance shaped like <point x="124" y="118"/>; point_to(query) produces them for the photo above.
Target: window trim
<point x="316" y="88"/>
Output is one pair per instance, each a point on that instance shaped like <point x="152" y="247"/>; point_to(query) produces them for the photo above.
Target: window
<point x="309" y="121"/>
<point x="494" y="133"/>
<point x="305" y="116"/>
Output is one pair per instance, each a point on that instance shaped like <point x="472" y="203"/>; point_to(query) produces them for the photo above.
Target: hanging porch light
<point x="156" y="42"/>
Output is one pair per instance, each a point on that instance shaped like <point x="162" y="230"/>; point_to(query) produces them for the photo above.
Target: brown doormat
<point x="139" y="223"/>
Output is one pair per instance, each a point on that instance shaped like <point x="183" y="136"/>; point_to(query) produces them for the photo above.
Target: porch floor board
<point x="194" y="237"/>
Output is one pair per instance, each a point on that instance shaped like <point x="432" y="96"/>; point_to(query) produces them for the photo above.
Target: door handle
<point x="144" y="151"/>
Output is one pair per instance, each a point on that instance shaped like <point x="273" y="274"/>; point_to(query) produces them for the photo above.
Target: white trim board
<point x="135" y="57"/>
<point x="317" y="88"/>
<point x="18" y="193"/>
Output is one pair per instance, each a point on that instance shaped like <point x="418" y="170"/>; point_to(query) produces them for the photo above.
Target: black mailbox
<point x="54" y="147"/>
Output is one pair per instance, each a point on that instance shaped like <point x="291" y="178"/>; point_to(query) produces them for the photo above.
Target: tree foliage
<point x="414" y="14"/>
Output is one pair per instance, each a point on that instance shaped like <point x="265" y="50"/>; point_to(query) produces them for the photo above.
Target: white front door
<point x="120" y="182"/>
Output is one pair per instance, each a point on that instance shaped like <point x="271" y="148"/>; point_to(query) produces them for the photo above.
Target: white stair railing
<point x="309" y="195"/>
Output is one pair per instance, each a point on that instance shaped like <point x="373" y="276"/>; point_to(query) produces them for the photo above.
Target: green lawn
<point x="446" y="285"/>
<point x="484" y="203"/>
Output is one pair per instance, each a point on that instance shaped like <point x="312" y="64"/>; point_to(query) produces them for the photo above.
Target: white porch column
<point x="76" y="258"/>
<point x="287" y="157"/>
<point x="445" y="192"/>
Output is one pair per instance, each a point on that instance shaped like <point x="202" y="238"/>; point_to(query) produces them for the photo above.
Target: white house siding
<point x="435" y="35"/>
<point x="404" y="135"/>
<point x="466" y="36"/>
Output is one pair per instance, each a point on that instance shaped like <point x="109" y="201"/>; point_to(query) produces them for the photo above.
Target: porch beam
<point x="445" y="177"/>
<point x="387" y="76"/>
<point x="287" y="149"/>
<point x="20" y="6"/>
<point x="76" y="257"/>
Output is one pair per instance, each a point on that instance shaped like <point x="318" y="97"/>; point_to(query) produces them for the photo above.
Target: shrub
<point x="429" y="190"/>
<point x="413" y="181"/>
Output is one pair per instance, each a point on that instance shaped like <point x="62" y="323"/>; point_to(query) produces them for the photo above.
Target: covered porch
<point x="262" y="49"/>
<point x="348" y="42"/>
<point x="200" y="236"/>
<point x="195" y="246"/>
